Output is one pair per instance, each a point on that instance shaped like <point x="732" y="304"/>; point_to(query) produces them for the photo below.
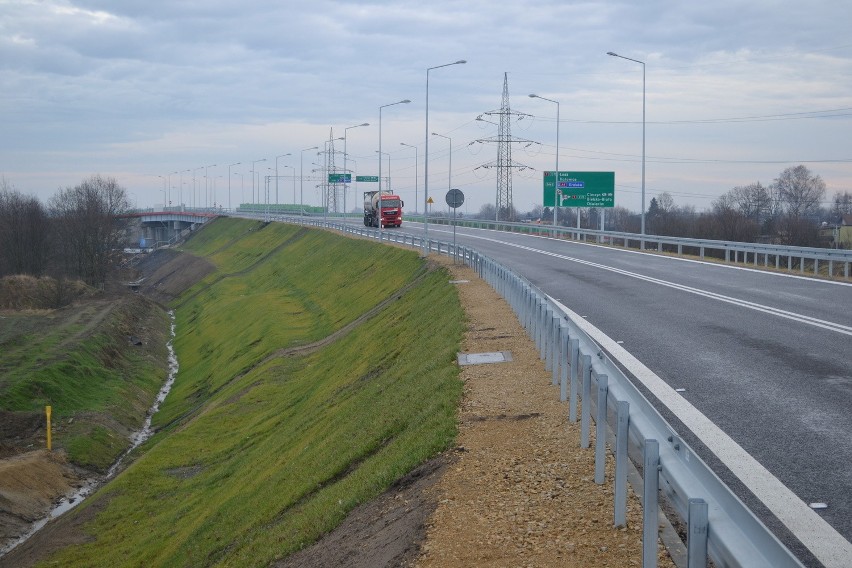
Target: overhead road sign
<point x="339" y="178"/>
<point x="579" y="189"/>
<point x="373" y="179"/>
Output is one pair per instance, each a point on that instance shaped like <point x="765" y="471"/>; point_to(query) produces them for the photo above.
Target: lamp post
<point x="642" y="63"/>
<point x="556" y="181"/>
<point x="450" y="175"/>
<point x="170" y="188"/>
<point x="426" y="159"/>
<point x="402" y="102"/>
<point x="276" y="175"/>
<point x="229" y="183"/>
<point x="415" y="172"/>
<point x="252" y="179"/>
<point x="164" y="191"/>
<point x="345" y="164"/>
<point x="302" y="179"/>
<point x="180" y="191"/>
<point x="194" y="197"/>
<point x="294" y="181"/>
<point x="206" y="191"/>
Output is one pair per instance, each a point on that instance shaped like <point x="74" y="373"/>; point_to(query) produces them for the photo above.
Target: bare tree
<point x="799" y="191"/>
<point x="842" y="203"/>
<point x="88" y="226"/>
<point x="24" y="233"/>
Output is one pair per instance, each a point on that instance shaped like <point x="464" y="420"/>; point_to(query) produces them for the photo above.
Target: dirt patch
<point x="383" y="532"/>
<point x="32" y="483"/>
<point x="167" y="273"/>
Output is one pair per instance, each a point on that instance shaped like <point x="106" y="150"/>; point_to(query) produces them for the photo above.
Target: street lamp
<point x="229" y="184"/>
<point x="206" y="191"/>
<point x="415" y="172"/>
<point x="276" y="175"/>
<point x="302" y="179"/>
<point x="252" y="180"/>
<point x="426" y="159"/>
<point x="642" y="63"/>
<point x="294" y="181"/>
<point x="194" y="197"/>
<point x="556" y="180"/>
<point x="164" y="191"/>
<point x="450" y="176"/>
<point x="345" y="158"/>
<point x="406" y="101"/>
<point x="180" y="191"/>
<point x="170" y="188"/>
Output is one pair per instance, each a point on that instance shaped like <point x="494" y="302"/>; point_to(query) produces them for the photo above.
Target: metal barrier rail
<point x="719" y="525"/>
<point x="776" y="256"/>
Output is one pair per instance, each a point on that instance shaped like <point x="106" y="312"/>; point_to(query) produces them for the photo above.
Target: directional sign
<point x="373" y="179"/>
<point x="579" y="189"/>
<point x="455" y="198"/>
<point x="339" y="178"/>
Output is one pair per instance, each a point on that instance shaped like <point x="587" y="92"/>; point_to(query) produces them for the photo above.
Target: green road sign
<point x="579" y="189"/>
<point x="373" y="179"/>
<point x="339" y="178"/>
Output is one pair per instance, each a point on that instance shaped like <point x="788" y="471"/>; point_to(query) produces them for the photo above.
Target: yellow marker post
<point x="47" y="411"/>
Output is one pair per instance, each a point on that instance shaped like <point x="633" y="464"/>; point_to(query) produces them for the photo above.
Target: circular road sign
<point x="455" y="198"/>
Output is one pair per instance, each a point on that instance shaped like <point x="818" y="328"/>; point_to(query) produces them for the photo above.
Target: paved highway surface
<point x="767" y="357"/>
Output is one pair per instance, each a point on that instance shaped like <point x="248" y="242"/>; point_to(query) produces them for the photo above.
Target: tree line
<point x="77" y="235"/>
<point x="788" y="211"/>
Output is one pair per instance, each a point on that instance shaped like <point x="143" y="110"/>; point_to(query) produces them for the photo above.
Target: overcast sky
<point x="145" y="90"/>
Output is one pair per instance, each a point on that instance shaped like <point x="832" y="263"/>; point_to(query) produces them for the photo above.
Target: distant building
<point x="838" y="233"/>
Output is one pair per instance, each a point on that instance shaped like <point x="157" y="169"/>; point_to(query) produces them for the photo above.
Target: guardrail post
<point x="696" y="543"/>
<point x="564" y="359"/>
<point x="600" y="430"/>
<point x="650" y="489"/>
<point x="548" y="340"/>
<point x="575" y="374"/>
<point x="557" y="349"/>
<point x="587" y="401"/>
<point x="622" y="424"/>
<point x="542" y="315"/>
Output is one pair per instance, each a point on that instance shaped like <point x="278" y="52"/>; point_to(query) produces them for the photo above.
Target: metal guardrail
<point x="719" y="525"/>
<point x="803" y="259"/>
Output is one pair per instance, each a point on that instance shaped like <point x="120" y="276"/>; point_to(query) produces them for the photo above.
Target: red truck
<point x="391" y="209"/>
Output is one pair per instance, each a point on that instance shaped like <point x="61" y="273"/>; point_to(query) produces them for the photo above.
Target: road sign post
<point x="455" y="199"/>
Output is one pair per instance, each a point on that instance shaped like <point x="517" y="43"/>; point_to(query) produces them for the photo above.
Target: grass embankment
<point x="264" y="447"/>
<point x="80" y="362"/>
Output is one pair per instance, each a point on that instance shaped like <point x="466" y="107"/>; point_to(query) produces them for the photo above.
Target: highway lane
<point x="766" y="357"/>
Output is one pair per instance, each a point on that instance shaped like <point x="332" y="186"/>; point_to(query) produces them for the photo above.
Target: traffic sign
<point x="579" y="189"/>
<point x="455" y="198"/>
<point x="339" y="178"/>
<point x="373" y="179"/>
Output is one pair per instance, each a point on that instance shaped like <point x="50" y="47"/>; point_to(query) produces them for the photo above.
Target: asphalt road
<point x="767" y="357"/>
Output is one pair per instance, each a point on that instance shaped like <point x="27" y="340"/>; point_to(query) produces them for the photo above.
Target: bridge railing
<point x="719" y="525"/>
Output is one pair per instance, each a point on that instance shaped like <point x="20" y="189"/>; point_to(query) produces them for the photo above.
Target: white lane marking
<point x="813" y="531"/>
<point x="824" y="324"/>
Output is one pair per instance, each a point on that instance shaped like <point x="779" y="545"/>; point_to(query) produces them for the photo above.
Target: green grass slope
<point x="80" y="362"/>
<point x="315" y="371"/>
